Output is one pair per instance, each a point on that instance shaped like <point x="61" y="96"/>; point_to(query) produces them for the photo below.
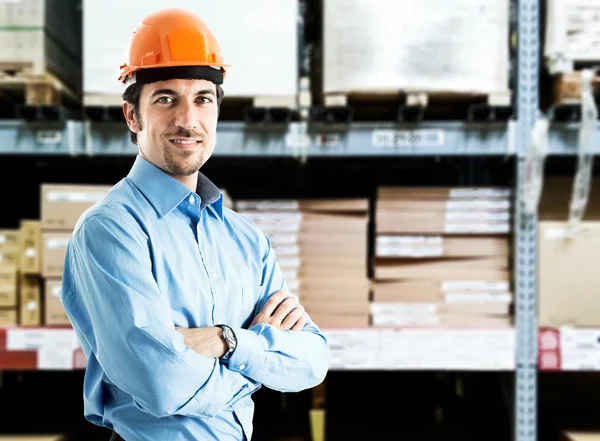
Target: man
<point x="178" y="302"/>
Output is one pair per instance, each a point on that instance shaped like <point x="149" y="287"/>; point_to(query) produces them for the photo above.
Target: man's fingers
<point x="299" y="326"/>
<point x="273" y="302"/>
<point x="284" y="309"/>
<point x="292" y="318"/>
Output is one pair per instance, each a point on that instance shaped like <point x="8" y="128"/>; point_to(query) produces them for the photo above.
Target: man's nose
<point x="186" y="116"/>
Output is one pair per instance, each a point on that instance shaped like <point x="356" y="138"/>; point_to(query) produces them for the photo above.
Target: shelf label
<point x="56" y="243"/>
<point x="476" y="193"/>
<point x="49" y="137"/>
<point x="474" y="285"/>
<point x="55" y="358"/>
<point x="35" y="339"/>
<point x="408" y="138"/>
<point x="75" y="197"/>
<point x="268" y="205"/>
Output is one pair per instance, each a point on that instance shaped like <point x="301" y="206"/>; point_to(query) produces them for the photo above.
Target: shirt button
<point x="242" y="366"/>
<point x="214" y="276"/>
<point x="191" y="199"/>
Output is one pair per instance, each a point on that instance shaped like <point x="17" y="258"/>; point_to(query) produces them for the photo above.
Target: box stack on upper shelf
<point x="40" y="60"/>
<point x="432" y="51"/>
<point x="571" y="42"/>
<point x="321" y="246"/>
<point x="264" y="61"/>
<point x="442" y="257"/>
<point x="61" y="207"/>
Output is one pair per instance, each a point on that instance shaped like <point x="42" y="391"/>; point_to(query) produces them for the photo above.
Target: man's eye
<point x="204" y="99"/>
<point x="165" y="100"/>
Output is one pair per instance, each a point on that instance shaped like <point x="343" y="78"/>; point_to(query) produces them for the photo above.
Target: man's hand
<point x="283" y="312"/>
<point x="207" y="341"/>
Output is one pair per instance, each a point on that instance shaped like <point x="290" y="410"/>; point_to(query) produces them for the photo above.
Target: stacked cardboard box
<point x="19" y="275"/>
<point x="321" y="246"/>
<point x="568" y="276"/>
<point x="9" y="252"/>
<point x="442" y="257"/>
<point x="61" y="207"/>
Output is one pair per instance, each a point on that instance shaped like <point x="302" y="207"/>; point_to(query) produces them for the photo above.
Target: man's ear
<point x="130" y="116"/>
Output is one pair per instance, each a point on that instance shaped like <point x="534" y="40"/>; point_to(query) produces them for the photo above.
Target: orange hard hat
<point x="172" y="43"/>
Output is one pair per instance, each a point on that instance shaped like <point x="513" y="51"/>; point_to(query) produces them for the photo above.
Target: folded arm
<point x="114" y="301"/>
<point x="287" y="361"/>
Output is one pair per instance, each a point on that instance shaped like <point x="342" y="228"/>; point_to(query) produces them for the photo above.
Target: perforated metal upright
<point x="526" y="225"/>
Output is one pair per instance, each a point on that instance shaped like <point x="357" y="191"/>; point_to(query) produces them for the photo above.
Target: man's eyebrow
<point x="206" y="92"/>
<point x="163" y="92"/>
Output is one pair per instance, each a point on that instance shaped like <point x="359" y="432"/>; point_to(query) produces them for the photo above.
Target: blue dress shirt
<point x="152" y="255"/>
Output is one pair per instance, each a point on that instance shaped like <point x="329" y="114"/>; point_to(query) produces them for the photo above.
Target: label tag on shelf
<point x="55" y="358"/>
<point x="48" y="137"/>
<point x="408" y="138"/>
<point x="34" y="339"/>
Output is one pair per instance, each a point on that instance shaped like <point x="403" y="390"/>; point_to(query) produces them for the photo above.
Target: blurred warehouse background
<point x="424" y="170"/>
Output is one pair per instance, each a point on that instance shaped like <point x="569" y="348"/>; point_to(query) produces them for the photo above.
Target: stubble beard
<point x="178" y="169"/>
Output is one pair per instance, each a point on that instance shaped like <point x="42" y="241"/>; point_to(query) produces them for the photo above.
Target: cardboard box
<point x="30" y="249"/>
<point x="10" y="255"/>
<point x="326" y="305"/>
<point x="8" y="274"/>
<point x="394" y="246"/>
<point x="30" y="296"/>
<point x="325" y="320"/>
<point x="417" y="290"/>
<point x="63" y="205"/>
<point x="568" y="276"/>
<point x="8" y="317"/>
<point x="9" y="237"/>
<point x="400" y="222"/>
<point x="54" y="252"/>
<point x="499" y="308"/>
<point x="580" y="436"/>
<point x="487" y="269"/>
<point x="433" y="319"/>
<point x="54" y="311"/>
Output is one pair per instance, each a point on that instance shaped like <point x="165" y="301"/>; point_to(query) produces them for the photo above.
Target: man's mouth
<point x="185" y="142"/>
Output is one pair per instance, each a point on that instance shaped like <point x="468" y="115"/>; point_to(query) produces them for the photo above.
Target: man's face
<point x="176" y="128"/>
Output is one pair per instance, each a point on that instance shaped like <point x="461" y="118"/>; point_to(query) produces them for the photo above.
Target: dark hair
<point x="132" y="96"/>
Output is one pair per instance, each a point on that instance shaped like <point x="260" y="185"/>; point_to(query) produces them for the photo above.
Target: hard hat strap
<point x="145" y="76"/>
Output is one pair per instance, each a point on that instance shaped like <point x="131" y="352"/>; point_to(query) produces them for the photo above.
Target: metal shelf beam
<point x="239" y="139"/>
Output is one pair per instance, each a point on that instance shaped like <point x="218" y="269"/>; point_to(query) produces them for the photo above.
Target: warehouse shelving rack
<point x="467" y="139"/>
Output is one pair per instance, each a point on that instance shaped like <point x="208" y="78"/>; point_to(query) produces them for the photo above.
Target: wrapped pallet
<point x="431" y="46"/>
<point x="258" y="39"/>
<point x="572" y="34"/>
<point x="42" y="37"/>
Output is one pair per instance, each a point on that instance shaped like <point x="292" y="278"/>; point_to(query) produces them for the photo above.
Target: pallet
<point x="411" y="106"/>
<point x="566" y="88"/>
<point x="24" y="94"/>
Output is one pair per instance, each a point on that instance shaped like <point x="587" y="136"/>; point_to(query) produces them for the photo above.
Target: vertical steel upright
<point x="526" y="225"/>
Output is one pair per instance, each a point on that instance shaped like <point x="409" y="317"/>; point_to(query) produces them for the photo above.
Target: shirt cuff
<point x="249" y="351"/>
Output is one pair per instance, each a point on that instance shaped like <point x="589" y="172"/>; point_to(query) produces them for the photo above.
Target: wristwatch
<point x="230" y="339"/>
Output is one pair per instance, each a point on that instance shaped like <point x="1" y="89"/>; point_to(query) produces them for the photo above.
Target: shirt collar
<point x="165" y="193"/>
<point x="210" y="194"/>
